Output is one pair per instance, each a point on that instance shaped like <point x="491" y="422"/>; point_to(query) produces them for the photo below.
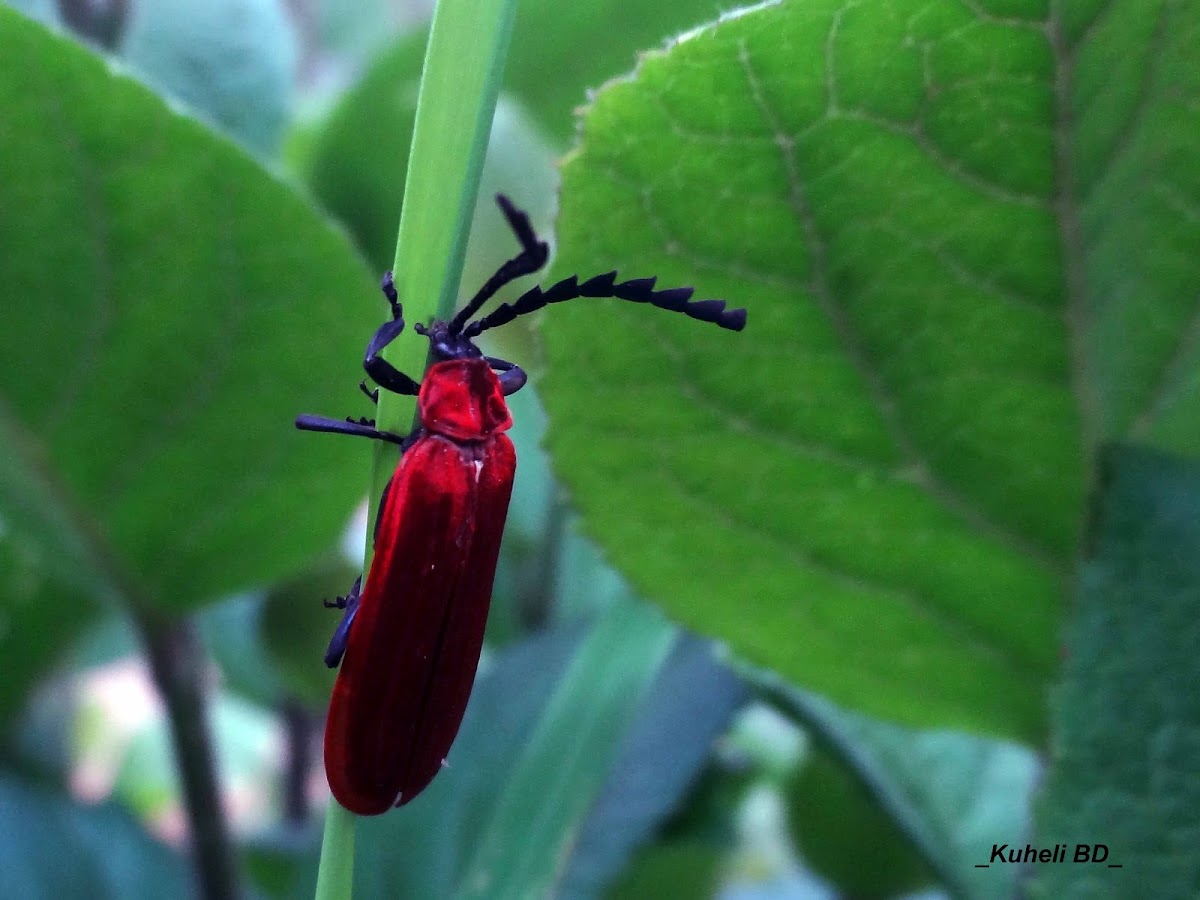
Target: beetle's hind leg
<point x="341" y="636"/>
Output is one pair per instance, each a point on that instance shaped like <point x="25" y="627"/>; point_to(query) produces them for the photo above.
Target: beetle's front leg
<point x="349" y="603"/>
<point x="512" y="376"/>
<point x="360" y="428"/>
<point x="381" y="371"/>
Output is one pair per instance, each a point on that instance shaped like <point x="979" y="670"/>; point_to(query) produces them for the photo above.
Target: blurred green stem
<point x="177" y="662"/>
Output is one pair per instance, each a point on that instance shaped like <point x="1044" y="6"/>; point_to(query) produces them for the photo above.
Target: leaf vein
<point x="924" y="606"/>
<point x="1011" y="21"/>
<point x="873" y="380"/>
<point x="916" y="133"/>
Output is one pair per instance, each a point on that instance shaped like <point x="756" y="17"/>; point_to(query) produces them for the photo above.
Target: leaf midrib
<point x="1070" y="200"/>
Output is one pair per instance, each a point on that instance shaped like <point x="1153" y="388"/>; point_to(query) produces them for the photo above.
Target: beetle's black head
<point x="448" y="342"/>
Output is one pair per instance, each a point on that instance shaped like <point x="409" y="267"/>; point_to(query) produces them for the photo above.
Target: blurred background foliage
<point x="965" y="403"/>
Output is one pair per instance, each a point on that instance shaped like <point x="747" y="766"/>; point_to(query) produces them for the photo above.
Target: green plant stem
<point x="177" y="662"/>
<point x="335" y="873"/>
<point x="460" y="82"/>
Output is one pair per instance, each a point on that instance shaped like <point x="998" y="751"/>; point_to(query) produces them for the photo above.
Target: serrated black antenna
<point x="532" y="257"/>
<point x="636" y="290"/>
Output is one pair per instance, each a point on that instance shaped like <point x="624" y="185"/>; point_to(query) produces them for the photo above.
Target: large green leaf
<point x="170" y="308"/>
<point x="50" y="583"/>
<point x="1126" y="749"/>
<point x="876" y="489"/>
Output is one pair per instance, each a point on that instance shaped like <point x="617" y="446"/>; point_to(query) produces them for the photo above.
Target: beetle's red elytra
<point x="409" y="641"/>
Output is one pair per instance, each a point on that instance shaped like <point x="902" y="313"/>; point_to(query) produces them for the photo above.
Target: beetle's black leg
<point x="388" y="286"/>
<point x="384" y="373"/>
<point x="372" y="395"/>
<point x="343" y="602"/>
<point x="337" y="644"/>
<point x="341" y="426"/>
<point x="381" y="371"/>
<point x="512" y="376"/>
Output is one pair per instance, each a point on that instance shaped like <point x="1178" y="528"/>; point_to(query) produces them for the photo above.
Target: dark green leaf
<point x="951" y="794"/>
<point x="847" y="837"/>
<point x="548" y="792"/>
<point x="1125" y="755"/>
<point x="171" y="307"/>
